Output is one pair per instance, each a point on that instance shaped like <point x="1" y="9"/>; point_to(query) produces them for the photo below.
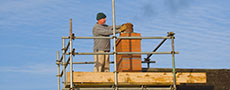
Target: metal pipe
<point x="65" y="49"/>
<point x="65" y="37"/>
<point x="93" y="53"/>
<point x="143" y="37"/>
<point x="94" y="62"/>
<point x="158" y="46"/>
<point x="71" y="54"/>
<point x="58" y="71"/>
<point x="93" y="37"/>
<point x="111" y="53"/>
<point x="63" y="66"/>
<point x="149" y="55"/>
<point x="173" y="63"/>
<point x="145" y="52"/>
<point x="114" y="47"/>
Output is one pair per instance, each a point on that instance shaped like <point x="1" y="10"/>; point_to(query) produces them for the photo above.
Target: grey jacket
<point x="103" y="31"/>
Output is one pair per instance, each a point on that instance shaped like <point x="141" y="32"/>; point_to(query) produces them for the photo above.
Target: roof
<point x="217" y="79"/>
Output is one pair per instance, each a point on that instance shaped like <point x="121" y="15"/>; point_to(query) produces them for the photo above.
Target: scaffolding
<point x="65" y="62"/>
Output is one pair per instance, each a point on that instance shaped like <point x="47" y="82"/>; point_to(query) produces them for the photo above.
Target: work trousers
<point x="101" y="63"/>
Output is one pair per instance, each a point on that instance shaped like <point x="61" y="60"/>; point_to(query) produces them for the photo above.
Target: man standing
<point x="100" y="29"/>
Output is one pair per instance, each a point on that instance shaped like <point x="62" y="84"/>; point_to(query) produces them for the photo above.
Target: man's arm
<point x="104" y="31"/>
<point x="116" y="27"/>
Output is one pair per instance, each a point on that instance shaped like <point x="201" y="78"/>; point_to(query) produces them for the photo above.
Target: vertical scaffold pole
<point x="114" y="47"/>
<point x="58" y="73"/>
<point x="173" y="63"/>
<point x="63" y="62"/>
<point x="71" y="55"/>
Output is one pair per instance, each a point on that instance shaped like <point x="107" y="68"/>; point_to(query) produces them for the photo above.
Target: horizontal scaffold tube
<point x="111" y="53"/>
<point x="94" y="62"/>
<point x="146" y="52"/>
<point x="143" y="37"/>
<point x="64" y="37"/>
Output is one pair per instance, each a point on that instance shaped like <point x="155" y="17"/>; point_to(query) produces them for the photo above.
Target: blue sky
<point x="31" y="31"/>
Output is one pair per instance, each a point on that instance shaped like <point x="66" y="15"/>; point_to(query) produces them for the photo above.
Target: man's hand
<point x="122" y="28"/>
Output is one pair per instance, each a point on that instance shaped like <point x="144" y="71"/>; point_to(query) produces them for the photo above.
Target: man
<point x="100" y="29"/>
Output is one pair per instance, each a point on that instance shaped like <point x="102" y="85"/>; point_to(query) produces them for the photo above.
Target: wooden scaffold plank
<point x="136" y="78"/>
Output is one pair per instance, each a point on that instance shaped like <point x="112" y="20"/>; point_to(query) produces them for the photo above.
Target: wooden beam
<point x="136" y="78"/>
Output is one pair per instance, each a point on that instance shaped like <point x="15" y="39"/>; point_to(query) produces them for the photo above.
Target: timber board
<point x="136" y="78"/>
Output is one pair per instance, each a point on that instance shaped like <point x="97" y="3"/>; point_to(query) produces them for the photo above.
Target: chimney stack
<point x="129" y="62"/>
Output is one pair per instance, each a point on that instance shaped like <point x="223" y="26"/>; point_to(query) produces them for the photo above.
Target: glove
<point x="122" y="28"/>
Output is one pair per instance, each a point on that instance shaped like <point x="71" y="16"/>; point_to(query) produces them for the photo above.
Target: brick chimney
<point x="129" y="62"/>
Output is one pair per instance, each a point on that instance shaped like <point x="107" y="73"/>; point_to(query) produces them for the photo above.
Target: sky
<point x="31" y="31"/>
